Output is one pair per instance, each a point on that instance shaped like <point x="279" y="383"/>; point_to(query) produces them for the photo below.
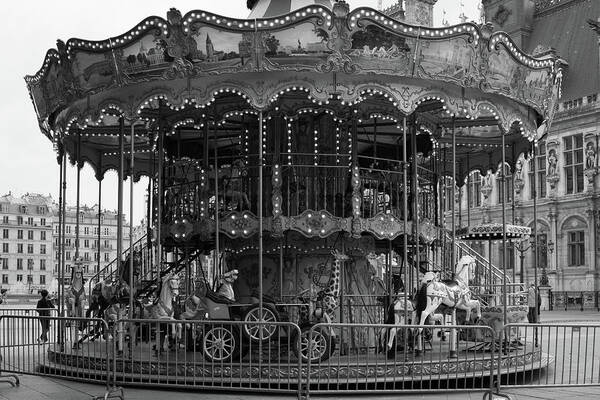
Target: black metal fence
<point x="574" y="300"/>
<point x="282" y="357"/>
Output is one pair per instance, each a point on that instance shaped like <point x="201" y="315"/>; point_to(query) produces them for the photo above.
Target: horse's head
<point x="428" y="277"/>
<point x="231" y="276"/>
<point x="171" y="283"/>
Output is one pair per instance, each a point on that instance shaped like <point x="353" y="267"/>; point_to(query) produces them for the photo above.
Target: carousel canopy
<point x="492" y="231"/>
<point x="201" y="81"/>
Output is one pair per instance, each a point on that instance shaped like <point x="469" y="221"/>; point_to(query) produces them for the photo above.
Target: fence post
<point x="7" y="377"/>
<point x="112" y="390"/>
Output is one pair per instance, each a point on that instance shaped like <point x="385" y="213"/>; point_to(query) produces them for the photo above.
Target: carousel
<point x="297" y="168"/>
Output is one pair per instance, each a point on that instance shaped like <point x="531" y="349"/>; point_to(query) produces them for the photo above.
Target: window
<point x="30" y="264"/>
<point x="19" y="247"/>
<point x="43" y="235"/>
<point x="5" y="279"/>
<point x="510" y="256"/>
<point x="29" y="235"/>
<point x="19" y="263"/>
<point x="67" y="242"/>
<point x="5" y="219"/>
<point x="30" y="279"/>
<point x="68" y="228"/>
<point x="573" y="156"/>
<point x="68" y="255"/>
<point x="19" y="220"/>
<point x="86" y="243"/>
<point x="86" y="230"/>
<point x="43" y="221"/>
<point x="474" y="189"/>
<point x="106" y="257"/>
<point x="20" y="234"/>
<point x="42" y="265"/>
<point x="30" y="221"/>
<point x="42" y="279"/>
<point x="5" y="247"/>
<point x="19" y="278"/>
<point x="95" y="256"/>
<point x="540" y="166"/>
<point x="95" y="231"/>
<point x="41" y="210"/>
<point x="576" y="248"/>
<point x="105" y="231"/>
<point x="29" y="249"/>
<point x="56" y="229"/>
<point x="81" y="217"/>
<point x="42" y="249"/>
<point x="5" y="263"/>
<point x="508" y="185"/>
<point x="86" y="256"/>
<point x="106" y="244"/>
<point x="5" y="234"/>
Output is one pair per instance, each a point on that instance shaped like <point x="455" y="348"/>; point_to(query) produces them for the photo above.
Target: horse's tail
<point x="421" y="302"/>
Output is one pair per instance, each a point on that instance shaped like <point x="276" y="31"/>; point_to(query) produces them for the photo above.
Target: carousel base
<point x="341" y="372"/>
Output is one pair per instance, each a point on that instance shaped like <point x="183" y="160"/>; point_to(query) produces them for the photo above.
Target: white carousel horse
<point x="75" y="299"/>
<point x="454" y="294"/>
<point x="162" y="309"/>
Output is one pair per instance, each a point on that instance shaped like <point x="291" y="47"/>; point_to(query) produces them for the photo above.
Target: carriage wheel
<point x="257" y="331"/>
<point x="220" y="344"/>
<point x="320" y="345"/>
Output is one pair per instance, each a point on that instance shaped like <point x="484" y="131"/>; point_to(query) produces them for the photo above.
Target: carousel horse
<point x="454" y="294"/>
<point x="232" y="186"/>
<point x="163" y="309"/>
<point x="111" y="294"/>
<point x="74" y="300"/>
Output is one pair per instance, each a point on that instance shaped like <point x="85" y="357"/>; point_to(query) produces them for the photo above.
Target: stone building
<point x="568" y="216"/>
<point x="26" y="252"/>
<point x="29" y="241"/>
<point x="95" y="250"/>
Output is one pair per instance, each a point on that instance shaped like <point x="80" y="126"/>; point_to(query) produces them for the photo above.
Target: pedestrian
<point x="43" y="306"/>
<point x="533" y="302"/>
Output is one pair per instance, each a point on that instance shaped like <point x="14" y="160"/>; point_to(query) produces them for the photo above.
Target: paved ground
<point x="40" y="388"/>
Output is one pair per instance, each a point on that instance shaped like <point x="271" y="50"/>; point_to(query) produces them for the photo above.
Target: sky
<point x="27" y="161"/>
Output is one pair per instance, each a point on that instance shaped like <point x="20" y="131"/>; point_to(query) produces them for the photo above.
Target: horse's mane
<point x="251" y="3"/>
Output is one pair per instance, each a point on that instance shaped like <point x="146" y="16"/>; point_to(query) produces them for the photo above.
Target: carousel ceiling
<point x="201" y="74"/>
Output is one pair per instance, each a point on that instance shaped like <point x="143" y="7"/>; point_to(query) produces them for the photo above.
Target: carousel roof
<point x="189" y="74"/>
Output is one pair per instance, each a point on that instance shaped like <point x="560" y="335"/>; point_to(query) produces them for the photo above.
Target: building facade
<point x="97" y="239"/>
<point x="29" y="252"/>
<point x="26" y="253"/>
<point x="566" y="161"/>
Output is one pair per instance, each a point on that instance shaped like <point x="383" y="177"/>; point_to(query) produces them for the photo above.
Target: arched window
<point x="474" y="189"/>
<point x="540" y="169"/>
<point x="508" y="185"/>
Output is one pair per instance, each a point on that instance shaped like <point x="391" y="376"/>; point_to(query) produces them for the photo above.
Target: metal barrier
<point x="51" y="346"/>
<point x="554" y="355"/>
<point x="216" y="355"/>
<point x="27" y="311"/>
<point x="369" y="361"/>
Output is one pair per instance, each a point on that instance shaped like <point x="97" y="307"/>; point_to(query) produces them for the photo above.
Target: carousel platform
<point x="356" y="370"/>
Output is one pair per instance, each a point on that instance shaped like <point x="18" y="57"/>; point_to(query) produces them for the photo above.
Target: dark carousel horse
<point x="110" y="295"/>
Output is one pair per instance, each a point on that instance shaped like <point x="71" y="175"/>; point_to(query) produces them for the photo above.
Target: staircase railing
<point x="111" y="269"/>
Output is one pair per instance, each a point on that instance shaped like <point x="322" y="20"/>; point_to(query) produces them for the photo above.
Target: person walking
<point x="533" y="301"/>
<point x="43" y="309"/>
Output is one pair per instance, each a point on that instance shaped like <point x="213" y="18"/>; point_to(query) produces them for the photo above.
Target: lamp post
<point x="522" y="246"/>
<point x="546" y="246"/>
